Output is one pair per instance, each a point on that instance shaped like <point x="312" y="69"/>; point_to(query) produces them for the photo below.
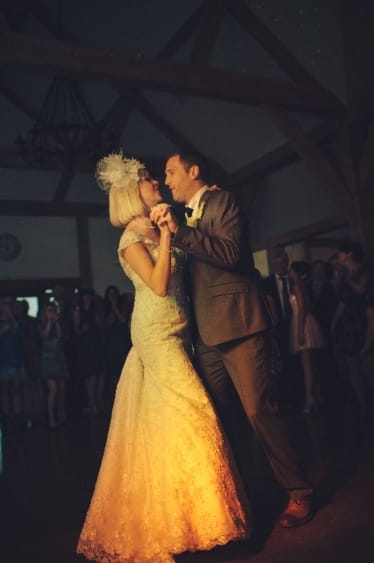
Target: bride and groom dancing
<point x="168" y="482"/>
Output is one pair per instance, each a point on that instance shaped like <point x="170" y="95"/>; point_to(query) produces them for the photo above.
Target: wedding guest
<point x="33" y="391"/>
<point x="277" y="290"/>
<point x="352" y="323"/>
<point x="89" y="348"/>
<point x="306" y="336"/>
<point x="53" y="364"/>
<point x="324" y="295"/>
<point x="116" y="334"/>
<point x="12" y="362"/>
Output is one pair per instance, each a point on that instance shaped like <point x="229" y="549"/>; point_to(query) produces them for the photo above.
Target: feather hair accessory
<point x="117" y="170"/>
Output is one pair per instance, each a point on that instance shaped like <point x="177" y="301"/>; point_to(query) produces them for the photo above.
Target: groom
<point x="231" y="317"/>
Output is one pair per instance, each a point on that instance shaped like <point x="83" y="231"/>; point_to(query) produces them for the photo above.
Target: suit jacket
<point x="225" y="288"/>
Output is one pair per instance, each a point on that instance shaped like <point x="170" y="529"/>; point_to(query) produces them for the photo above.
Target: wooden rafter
<point x="16" y="100"/>
<point x="112" y="67"/>
<point x="311" y="153"/>
<point x="348" y="163"/>
<point x="15" y="13"/>
<point x="4" y="23"/>
<point x="84" y="250"/>
<point x="282" y="155"/>
<point x="303" y="233"/>
<point x="150" y="112"/>
<point x="44" y="15"/>
<point x="116" y="118"/>
<point x="209" y="25"/>
<point x="52" y="209"/>
<point x="276" y="49"/>
<point x="64" y="183"/>
<point x="366" y="167"/>
<point x="183" y="33"/>
<point x="10" y="158"/>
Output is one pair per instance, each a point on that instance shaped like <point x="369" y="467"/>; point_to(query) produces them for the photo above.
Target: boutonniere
<point x="197" y="213"/>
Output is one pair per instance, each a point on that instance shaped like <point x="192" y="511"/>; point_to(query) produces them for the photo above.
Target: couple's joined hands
<point x="161" y="216"/>
<point x="160" y="219"/>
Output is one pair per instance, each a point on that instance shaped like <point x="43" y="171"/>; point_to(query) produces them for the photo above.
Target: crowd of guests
<point x="69" y="358"/>
<point x="65" y="361"/>
<point x="324" y="326"/>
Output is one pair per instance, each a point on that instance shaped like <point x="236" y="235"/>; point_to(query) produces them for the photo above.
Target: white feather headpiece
<point x="117" y="170"/>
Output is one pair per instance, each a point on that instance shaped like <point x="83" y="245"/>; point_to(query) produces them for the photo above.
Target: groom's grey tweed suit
<point x="232" y="325"/>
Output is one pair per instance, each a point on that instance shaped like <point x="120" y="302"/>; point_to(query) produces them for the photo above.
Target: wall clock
<point x="10" y="246"/>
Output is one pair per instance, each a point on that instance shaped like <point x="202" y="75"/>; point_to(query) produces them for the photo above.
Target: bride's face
<point x="149" y="190"/>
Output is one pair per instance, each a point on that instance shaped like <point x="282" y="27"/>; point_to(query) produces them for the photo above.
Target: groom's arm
<point x="219" y="240"/>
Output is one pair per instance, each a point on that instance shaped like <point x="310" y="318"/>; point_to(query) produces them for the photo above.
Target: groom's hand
<point x="161" y="213"/>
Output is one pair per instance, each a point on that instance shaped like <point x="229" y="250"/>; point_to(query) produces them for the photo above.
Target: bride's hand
<point x="161" y="214"/>
<point x="163" y="227"/>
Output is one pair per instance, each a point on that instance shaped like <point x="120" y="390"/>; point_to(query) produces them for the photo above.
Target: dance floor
<point x="47" y="479"/>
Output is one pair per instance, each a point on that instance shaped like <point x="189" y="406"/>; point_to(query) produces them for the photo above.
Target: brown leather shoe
<point x="297" y="512"/>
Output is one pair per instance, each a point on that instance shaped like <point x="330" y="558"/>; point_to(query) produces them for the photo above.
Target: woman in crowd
<point x="306" y="336"/>
<point x="53" y="364"/>
<point x="352" y="326"/>
<point x="116" y="330"/>
<point x="89" y="348"/>
<point x="12" y="361"/>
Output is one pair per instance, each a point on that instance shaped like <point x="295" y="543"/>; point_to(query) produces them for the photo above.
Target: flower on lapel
<point x="196" y="215"/>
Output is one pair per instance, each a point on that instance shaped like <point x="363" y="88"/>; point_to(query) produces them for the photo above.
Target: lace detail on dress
<point x="167" y="482"/>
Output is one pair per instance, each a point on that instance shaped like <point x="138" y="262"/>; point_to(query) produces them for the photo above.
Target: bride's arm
<point x="154" y="274"/>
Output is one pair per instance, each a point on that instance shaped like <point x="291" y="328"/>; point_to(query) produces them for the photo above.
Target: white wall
<point x="48" y="248"/>
<point x="290" y="199"/>
<point x="106" y="269"/>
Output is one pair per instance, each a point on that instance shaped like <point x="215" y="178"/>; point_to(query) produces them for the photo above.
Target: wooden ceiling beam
<point x="303" y="233"/>
<point x="182" y="35"/>
<point x="112" y="67"/>
<point x="165" y="127"/>
<point x="306" y="147"/>
<point x="116" y="118"/>
<point x="10" y="157"/>
<point x="44" y="15"/>
<point x="276" y="49"/>
<point x="16" y="100"/>
<point x="366" y="167"/>
<point x="209" y="25"/>
<point x="282" y="155"/>
<point x="15" y="13"/>
<point x="53" y="209"/>
<point x="65" y="182"/>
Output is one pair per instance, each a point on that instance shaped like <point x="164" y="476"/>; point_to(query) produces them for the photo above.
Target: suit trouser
<point x="245" y="364"/>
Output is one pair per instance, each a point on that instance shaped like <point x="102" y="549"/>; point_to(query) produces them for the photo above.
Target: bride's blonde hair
<point x="118" y="176"/>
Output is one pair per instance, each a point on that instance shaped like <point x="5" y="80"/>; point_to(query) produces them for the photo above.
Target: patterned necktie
<point x="287" y="311"/>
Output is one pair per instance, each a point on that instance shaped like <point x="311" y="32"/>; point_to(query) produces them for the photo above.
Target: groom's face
<point x="179" y="180"/>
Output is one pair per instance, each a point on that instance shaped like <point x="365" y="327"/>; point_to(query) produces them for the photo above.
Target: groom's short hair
<point x="192" y="158"/>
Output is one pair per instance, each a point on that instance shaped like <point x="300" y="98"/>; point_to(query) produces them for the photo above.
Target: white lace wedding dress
<point x="167" y="482"/>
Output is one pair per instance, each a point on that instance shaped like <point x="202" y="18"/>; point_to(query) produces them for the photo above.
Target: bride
<point x="167" y="483"/>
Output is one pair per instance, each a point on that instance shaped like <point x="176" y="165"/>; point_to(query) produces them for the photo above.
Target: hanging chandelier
<point x="64" y="127"/>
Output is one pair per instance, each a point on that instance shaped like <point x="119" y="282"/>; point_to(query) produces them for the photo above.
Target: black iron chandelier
<point x="64" y="127"/>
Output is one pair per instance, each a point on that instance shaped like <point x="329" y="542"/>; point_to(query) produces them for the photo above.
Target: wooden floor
<point x="47" y="479"/>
